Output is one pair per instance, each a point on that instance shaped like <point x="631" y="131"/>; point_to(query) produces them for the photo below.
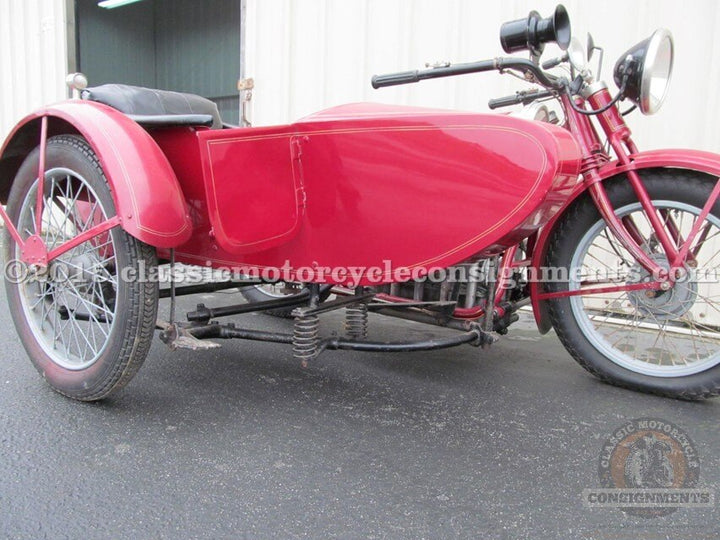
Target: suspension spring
<point x="356" y="321"/>
<point x="593" y="161"/>
<point x="305" y="338"/>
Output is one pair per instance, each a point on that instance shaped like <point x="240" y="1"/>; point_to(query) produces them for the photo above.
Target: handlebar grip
<point x="504" y="101"/>
<point x="392" y="79"/>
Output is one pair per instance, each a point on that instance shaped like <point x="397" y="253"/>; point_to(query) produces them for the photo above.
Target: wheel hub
<point x="78" y="269"/>
<point x="664" y="305"/>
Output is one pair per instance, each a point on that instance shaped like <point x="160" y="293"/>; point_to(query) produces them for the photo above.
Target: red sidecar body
<point x="369" y="186"/>
<point x="364" y="186"/>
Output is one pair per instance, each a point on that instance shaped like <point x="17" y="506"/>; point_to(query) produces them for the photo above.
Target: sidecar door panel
<point x="254" y="198"/>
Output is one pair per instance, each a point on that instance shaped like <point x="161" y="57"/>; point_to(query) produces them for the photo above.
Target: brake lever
<point x="521" y="97"/>
<point x="553" y="62"/>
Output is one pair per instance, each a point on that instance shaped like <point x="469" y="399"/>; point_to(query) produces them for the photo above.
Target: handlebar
<point x="405" y="77"/>
<point x="506" y="101"/>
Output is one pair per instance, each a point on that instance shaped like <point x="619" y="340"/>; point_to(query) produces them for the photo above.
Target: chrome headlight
<point x="647" y="67"/>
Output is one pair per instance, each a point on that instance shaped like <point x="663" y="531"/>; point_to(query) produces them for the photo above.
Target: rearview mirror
<point x="576" y="55"/>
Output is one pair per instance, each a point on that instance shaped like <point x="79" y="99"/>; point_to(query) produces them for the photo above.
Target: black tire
<point x="111" y="360"/>
<point x="685" y="188"/>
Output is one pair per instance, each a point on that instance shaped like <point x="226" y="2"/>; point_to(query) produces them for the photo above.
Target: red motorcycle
<point x="448" y="218"/>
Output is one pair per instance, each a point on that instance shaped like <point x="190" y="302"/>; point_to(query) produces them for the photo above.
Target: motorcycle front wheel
<point x="663" y="342"/>
<point x="87" y="320"/>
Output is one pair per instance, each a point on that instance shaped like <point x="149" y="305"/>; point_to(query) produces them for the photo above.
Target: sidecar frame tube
<point x="473" y="337"/>
<point x="650" y="285"/>
<point x="206" y="288"/>
<point x="10" y="226"/>
<point x="203" y="313"/>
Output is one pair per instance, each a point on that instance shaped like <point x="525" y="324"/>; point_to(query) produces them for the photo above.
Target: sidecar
<point x="356" y="185"/>
<point x="358" y="196"/>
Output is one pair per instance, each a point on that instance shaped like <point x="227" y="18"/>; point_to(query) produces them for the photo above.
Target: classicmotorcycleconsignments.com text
<point x="17" y="271"/>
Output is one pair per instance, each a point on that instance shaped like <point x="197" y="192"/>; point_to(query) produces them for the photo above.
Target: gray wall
<point x="184" y="45"/>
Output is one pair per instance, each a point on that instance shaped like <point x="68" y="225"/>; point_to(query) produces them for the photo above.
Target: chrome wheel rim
<point x="70" y="308"/>
<point x="660" y="334"/>
<point x="278" y="290"/>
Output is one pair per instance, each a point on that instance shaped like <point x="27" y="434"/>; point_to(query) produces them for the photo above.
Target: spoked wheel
<point x="666" y="342"/>
<point x="86" y="321"/>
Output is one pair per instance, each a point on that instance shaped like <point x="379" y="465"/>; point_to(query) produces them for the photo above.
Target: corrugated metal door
<point x="116" y="45"/>
<point x="182" y="45"/>
<point x="198" y="50"/>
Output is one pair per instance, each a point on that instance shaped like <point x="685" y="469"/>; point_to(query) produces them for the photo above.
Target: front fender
<point x="148" y="198"/>
<point x="693" y="160"/>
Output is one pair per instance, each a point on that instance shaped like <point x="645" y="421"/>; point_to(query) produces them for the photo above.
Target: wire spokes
<point x="72" y="306"/>
<point x="661" y="333"/>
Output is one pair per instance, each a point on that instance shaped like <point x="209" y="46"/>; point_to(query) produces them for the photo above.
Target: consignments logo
<point x="649" y="468"/>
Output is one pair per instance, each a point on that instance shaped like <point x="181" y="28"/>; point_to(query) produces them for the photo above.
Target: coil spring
<point x="356" y="321"/>
<point x="305" y="337"/>
<point x="593" y="161"/>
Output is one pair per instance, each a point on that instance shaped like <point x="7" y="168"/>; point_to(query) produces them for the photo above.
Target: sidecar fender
<point x="693" y="160"/>
<point x="148" y="198"/>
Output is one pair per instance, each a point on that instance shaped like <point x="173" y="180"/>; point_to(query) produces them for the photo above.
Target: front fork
<point x="677" y="250"/>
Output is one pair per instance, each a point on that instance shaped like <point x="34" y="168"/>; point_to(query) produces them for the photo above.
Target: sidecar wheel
<point x="86" y="322"/>
<point x="263" y="293"/>
<point x="663" y="342"/>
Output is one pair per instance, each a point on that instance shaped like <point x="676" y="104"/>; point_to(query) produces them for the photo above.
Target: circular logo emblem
<point x="648" y="463"/>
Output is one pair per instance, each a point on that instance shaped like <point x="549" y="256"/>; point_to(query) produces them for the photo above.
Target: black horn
<point x="532" y="32"/>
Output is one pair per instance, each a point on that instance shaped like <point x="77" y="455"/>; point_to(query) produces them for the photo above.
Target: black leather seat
<point x="157" y="108"/>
